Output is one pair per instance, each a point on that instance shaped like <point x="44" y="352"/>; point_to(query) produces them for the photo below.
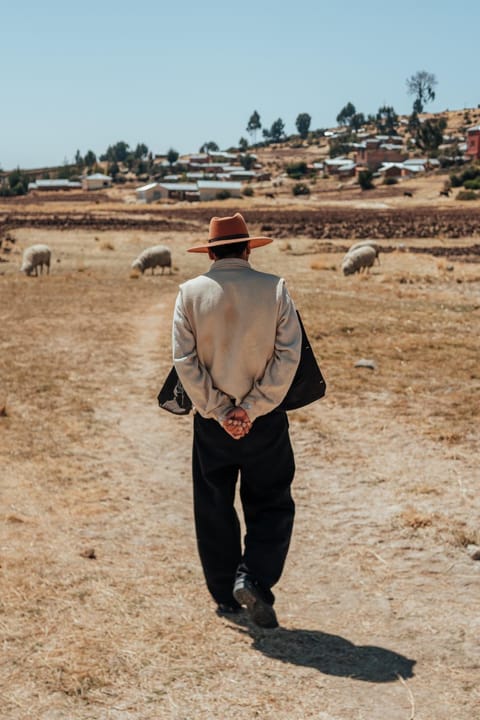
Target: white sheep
<point x="367" y="243"/>
<point x="359" y="259"/>
<point x="34" y="257"/>
<point x="152" y="257"/>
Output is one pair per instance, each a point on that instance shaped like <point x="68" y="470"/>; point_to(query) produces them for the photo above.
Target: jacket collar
<point x="230" y="264"/>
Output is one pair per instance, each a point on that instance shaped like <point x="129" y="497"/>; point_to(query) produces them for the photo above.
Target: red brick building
<point x="473" y="143"/>
<point x="373" y="152"/>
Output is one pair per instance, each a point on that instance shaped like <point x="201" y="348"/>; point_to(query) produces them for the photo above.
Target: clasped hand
<point x="237" y="423"/>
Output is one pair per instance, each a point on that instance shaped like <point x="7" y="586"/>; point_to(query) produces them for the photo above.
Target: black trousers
<point x="264" y="461"/>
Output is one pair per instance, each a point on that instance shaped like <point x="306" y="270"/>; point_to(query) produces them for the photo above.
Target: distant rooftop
<point x="98" y="176"/>
<point x="144" y="188"/>
<point x="222" y="185"/>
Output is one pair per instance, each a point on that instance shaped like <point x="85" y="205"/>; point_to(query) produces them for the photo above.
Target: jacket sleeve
<point x="207" y="399"/>
<point x="268" y="392"/>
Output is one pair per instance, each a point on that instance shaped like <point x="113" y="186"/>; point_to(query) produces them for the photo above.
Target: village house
<point x="97" y="181"/>
<point x="374" y="151"/>
<point x="58" y="184"/>
<point x="341" y="166"/>
<point x="200" y="190"/>
<point x="148" y="193"/>
<point x="473" y="143"/>
<point x="178" y="191"/>
<point x="210" y="189"/>
<point x="391" y="170"/>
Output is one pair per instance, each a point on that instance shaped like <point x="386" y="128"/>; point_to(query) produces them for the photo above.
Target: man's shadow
<point x="330" y="654"/>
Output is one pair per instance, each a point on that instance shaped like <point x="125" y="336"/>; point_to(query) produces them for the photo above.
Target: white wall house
<point x="148" y="193"/>
<point x="178" y="191"/>
<point x="59" y="184"/>
<point x="209" y="189"/>
<point x="97" y="181"/>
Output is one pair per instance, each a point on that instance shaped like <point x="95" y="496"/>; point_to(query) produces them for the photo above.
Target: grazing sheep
<point x="34" y="257"/>
<point x="359" y="259"/>
<point x="367" y="243"/>
<point x="152" y="257"/>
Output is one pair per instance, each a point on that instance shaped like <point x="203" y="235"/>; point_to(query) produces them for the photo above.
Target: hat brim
<point x="253" y="242"/>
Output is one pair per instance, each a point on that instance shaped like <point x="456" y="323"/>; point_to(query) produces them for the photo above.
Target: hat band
<point x="239" y="236"/>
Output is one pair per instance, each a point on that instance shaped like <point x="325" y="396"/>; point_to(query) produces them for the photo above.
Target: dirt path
<point x="377" y="604"/>
<point x="109" y="618"/>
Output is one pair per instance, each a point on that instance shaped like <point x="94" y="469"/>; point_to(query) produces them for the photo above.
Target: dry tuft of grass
<point x="464" y="536"/>
<point x="323" y="265"/>
<point x="107" y="245"/>
<point x="413" y="519"/>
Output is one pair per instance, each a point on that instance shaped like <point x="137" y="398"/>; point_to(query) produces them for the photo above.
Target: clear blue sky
<point x="176" y="74"/>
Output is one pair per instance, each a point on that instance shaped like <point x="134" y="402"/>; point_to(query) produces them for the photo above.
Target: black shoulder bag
<point x="308" y="384"/>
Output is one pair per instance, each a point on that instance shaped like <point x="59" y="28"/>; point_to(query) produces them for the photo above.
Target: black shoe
<point x="228" y="609"/>
<point x="261" y="612"/>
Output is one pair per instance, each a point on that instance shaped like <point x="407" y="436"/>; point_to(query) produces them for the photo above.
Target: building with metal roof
<point x="56" y="184"/>
<point x="96" y="181"/>
<point x="148" y="193"/>
<point x="210" y="189"/>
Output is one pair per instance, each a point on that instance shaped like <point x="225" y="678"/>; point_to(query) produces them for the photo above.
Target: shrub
<point x="467" y="195"/>
<point x="472" y="184"/>
<point x="18" y="183"/>
<point x="248" y="191"/>
<point x="471" y="173"/>
<point x="297" y="170"/>
<point x="390" y="181"/>
<point x="223" y="195"/>
<point x="365" y="179"/>
<point x="301" y="189"/>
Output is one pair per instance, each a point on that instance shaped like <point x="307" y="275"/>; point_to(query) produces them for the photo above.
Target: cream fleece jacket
<point x="236" y="339"/>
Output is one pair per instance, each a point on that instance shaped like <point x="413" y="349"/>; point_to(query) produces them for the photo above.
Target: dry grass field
<point x="103" y="610"/>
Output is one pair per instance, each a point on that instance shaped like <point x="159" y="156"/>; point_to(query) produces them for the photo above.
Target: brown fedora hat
<point x="229" y="230"/>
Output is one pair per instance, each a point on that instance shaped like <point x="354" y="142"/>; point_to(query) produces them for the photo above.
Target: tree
<point x="113" y="171"/>
<point x="303" y="124"/>
<point x="117" y="152"/>
<point x="141" y="168"/>
<point x="365" y="179"/>
<point x="172" y="156"/>
<point x="430" y="134"/>
<point x="346" y="113"/>
<point x="357" y="121"/>
<point x="141" y="151"/>
<point x="18" y="183"/>
<point x="386" y="120"/>
<point x="277" y="131"/>
<point x="243" y="144"/>
<point x="413" y="123"/>
<point x="90" y="158"/>
<point x="254" y="124"/>
<point x="247" y="161"/>
<point x="78" y="159"/>
<point x="421" y="86"/>
<point x="209" y="147"/>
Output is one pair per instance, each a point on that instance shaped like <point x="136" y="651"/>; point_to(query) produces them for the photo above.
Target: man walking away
<point x="236" y="347"/>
